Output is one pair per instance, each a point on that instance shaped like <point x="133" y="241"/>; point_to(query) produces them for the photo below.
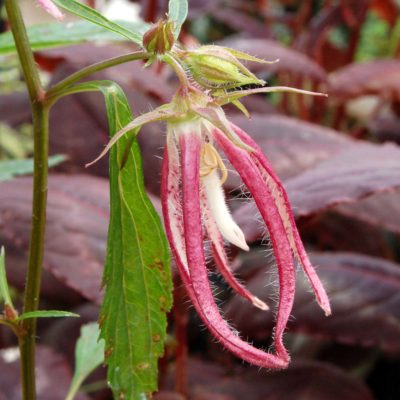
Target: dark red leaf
<point x="303" y="380"/>
<point x="84" y="131"/>
<point x="290" y="144"/>
<point x="53" y="375"/>
<point x="290" y="60"/>
<point x="240" y="22"/>
<point x="77" y="220"/>
<point x="381" y="210"/>
<point x="381" y="77"/>
<point x="385" y="128"/>
<point x="349" y="176"/>
<point x="364" y="293"/>
<point x="337" y="232"/>
<point x="168" y="395"/>
<point x="76" y="232"/>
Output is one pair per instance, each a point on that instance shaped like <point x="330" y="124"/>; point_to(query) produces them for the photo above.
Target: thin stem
<point x="58" y="88"/>
<point x="178" y="69"/>
<point x="25" y="55"/>
<point x="36" y="247"/>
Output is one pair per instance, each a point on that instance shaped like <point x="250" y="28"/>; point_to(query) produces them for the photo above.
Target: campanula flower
<point x="193" y="200"/>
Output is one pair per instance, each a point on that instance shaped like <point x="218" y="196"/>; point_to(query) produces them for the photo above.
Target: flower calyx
<point x="216" y="67"/>
<point x="159" y="39"/>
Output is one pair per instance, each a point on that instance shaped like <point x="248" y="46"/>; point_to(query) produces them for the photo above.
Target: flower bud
<point x="217" y="67"/>
<point x="160" y="37"/>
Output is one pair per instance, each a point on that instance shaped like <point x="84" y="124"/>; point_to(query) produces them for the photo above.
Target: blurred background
<point x="339" y="159"/>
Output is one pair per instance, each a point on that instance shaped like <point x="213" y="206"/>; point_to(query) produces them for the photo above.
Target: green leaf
<point x="88" y="13"/>
<point x="177" y="12"/>
<point x="137" y="273"/>
<point x="12" y="168"/>
<point x="52" y="35"/>
<point x="4" y="290"/>
<point x="47" y="314"/>
<point x="89" y="354"/>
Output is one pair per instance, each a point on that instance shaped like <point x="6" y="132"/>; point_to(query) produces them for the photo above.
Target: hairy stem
<point x="36" y="247"/>
<point x="57" y="90"/>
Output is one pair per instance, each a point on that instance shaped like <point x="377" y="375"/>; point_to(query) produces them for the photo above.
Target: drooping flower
<point x="193" y="200"/>
<point x="194" y="207"/>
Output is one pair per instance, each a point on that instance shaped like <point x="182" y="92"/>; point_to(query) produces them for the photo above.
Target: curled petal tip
<point x="90" y="163"/>
<point x="327" y="310"/>
<point x="260" y="304"/>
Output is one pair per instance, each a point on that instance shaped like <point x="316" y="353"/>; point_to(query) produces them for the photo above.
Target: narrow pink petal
<point x="197" y="285"/>
<point x="51" y="8"/>
<point x="250" y="174"/>
<point x="286" y="213"/>
<point x="220" y="257"/>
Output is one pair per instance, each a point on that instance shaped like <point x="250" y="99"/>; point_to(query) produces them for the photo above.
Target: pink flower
<point x="194" y="207"/>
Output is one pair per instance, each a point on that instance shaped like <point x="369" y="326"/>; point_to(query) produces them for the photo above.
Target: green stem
<point x="36" y="247"/>
<point x="24" y="51"/>
<point x="55" y="91"/>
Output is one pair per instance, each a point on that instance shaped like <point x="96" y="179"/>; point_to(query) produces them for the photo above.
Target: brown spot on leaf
<point x="142" y="366"/>
<point x="108" y="352"/>
<point x="157" y="264"/>
<point x="156" y="338"/>
<point x="101" y="320"/>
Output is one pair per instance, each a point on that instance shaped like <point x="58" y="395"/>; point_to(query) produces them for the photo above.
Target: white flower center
<point x="210" y="161"/>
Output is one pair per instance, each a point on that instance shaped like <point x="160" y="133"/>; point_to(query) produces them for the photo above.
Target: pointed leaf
<point x="88" y="13"/>
<point x="137" y="275"/>
<point x="55" y="35"/>
<point x="177" y="12"/>
<point x="89" y="354"/>
<point x="47" y="314"/>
